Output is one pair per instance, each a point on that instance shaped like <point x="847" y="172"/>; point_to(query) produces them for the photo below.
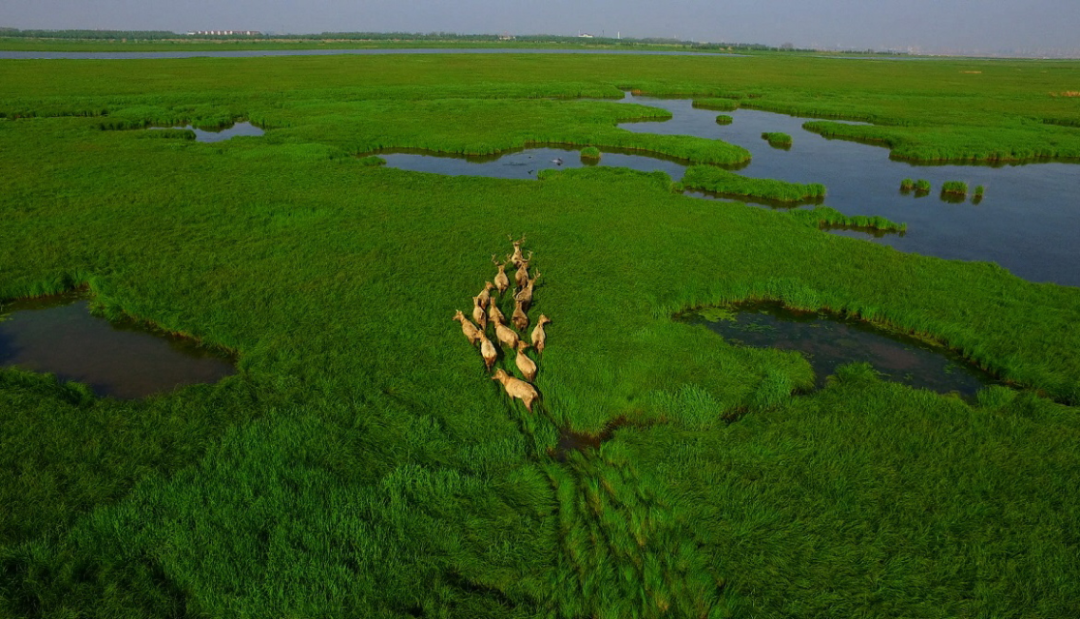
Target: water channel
<point x="59" y="335"/>
<point x="1026" y="222"/>
<point x="222" y="133"/>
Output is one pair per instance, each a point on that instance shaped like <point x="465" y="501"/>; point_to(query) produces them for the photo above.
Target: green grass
<point x="361" y="463"/>
<point x="775" y="138"/>
<point x="907" y="185"/>
<point x="717" y="104"/>
<point x="590" y="152"/>
<point x="723" y="119"/>
<point x="955" y="187"/>
<point x="922" y="186"/>
<point x="717" y="180"/>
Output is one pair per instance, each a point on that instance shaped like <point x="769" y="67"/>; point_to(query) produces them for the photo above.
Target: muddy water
<point x="224" y="133"/>
<point x="828" y="341"/>
<point x="60" y="336"/>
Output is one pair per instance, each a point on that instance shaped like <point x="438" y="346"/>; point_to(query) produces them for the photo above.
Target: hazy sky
<point x="934" y="25"/>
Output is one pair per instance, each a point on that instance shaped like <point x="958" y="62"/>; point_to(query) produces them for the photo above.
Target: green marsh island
<point x="358" y="458"/>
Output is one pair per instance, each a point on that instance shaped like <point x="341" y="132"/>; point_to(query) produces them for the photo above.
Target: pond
<point x="828" y="341"/>
<point x="222" y="133"/>
<point x="58" y="335"/>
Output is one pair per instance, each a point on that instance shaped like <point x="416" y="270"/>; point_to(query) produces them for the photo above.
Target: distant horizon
<point x="1035" y="28"/>
<point x="1060" y="53"/>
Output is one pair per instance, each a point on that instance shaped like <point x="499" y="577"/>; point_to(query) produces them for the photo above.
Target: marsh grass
<point x="724" y="119"/>
<point x="777" y="139"/>
<point x="590" y="153"/>
<point x="363" y="464"/>
<point x="717" y="180"/>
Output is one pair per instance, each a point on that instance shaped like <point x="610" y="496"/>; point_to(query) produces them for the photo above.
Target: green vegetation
<point x="922" y="186"/>
<point x="717" y="104"/>
<point x="979" y="191"/>
<point x="907" y="185"/>
<point x="723" y="119"/>
<point x="362" y="463"/>
<point x="590" y="152"/>
<point x="956" y="187"/>
<point x="717" y="180"/>
<point x="777" y="139"/>
<point x="825" y="217"/>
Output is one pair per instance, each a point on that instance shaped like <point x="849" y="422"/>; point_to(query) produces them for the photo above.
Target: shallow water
<point x="59" y="335"/>
<point x="1026" y="221"/>
<point x="224" y="133"/>
<point x="828" y="341"/>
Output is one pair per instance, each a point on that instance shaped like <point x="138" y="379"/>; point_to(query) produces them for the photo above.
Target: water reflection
<point x="828" y="341"/>
<point x="222" y="133"/>
<point x="59" y="335"/>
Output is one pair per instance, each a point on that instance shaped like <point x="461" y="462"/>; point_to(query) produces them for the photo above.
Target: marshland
<point x="361" y="461"/>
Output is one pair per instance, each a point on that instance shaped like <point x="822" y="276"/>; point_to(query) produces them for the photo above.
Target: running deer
<point x="505" y="335"/>
<point x="525" y="295"/>
<point x="525" y="365"/>
<point x="468" y="328"/>
<point x="487" y="351"/>
<point x="521" y="278"/>
<point x="485" y="294"/>
<point x="539" y="338"/>
<point x="502" y="282"/>
<point x="517" y="388"/>
<point x="494" y="313"/>
<point x="478" y="314"/>
<point x="520" y="318"/>
<point x="517" y="258"/>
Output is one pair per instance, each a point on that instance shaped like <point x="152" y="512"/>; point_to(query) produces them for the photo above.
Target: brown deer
<point x="539" y="338"/>
<point x="525" y="295"/>
<point x="517" y="388"/>
<point x="478" y="314"/>
<point x="517" y="258"/>
<point x="468" y="328"/>
<point x="520" y="318"/>
<point x="502" y="282"/>
<point x="485" y="294"/>
<point x="494" y="313"/>
<point x="487" y="351"/>
<point x="521" y="278"/>
<point x="505" y="335"/>
<point x="525" y="365"/>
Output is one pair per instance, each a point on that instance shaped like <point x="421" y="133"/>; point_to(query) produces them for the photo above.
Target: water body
<point x="59" y="335"/>
<point x="1026" y="222"/>
<point x="223" y="133"/>
<point x="828" y="341"/>
<point x="327" y="52"/>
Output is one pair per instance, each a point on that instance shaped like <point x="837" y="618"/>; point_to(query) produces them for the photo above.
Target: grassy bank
<point x="362" y="463"/>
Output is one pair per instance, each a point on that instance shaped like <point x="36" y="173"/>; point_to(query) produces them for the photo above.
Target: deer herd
<point x="486" y="310"/>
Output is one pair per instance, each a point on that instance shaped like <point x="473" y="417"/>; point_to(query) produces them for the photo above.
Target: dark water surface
<point x="223" y="133"/>
<point x="829" y="341"/>
<point x="59" y="335"/>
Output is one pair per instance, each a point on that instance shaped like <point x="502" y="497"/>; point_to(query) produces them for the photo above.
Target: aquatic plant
<point x="823" y="216"/>
<point x="776" y="138"/>
<point x="907" y="185"/>
<point x="723" y="119"/>
<point x="590" y="152"/>
<point x="718" y="180"/>
<point x="922" y="186"/>
<point x="959" y="188"/>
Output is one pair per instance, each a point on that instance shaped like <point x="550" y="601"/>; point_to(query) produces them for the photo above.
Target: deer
<point x="485" y="294"/>
<point x="478" y="313"/>
<point x="487" y="351"/>
<point x="525" y="365"/>
<point x="520" y="318"/>
<point x="494" y="313"/>
<point x="517" y="388"/>
<point x="468" y="328"/>
<point x="505" y="335"/>
<point x="521" y="278"/>
<point x="526" y="293"/>
<point x="502" y="282"/>
<point x="539" y="338"/>
<point x="517" y="259"/>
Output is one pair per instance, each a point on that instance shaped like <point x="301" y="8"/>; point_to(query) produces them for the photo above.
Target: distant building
<point x="219" y="33"/>
<point x="585" y="35"/>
